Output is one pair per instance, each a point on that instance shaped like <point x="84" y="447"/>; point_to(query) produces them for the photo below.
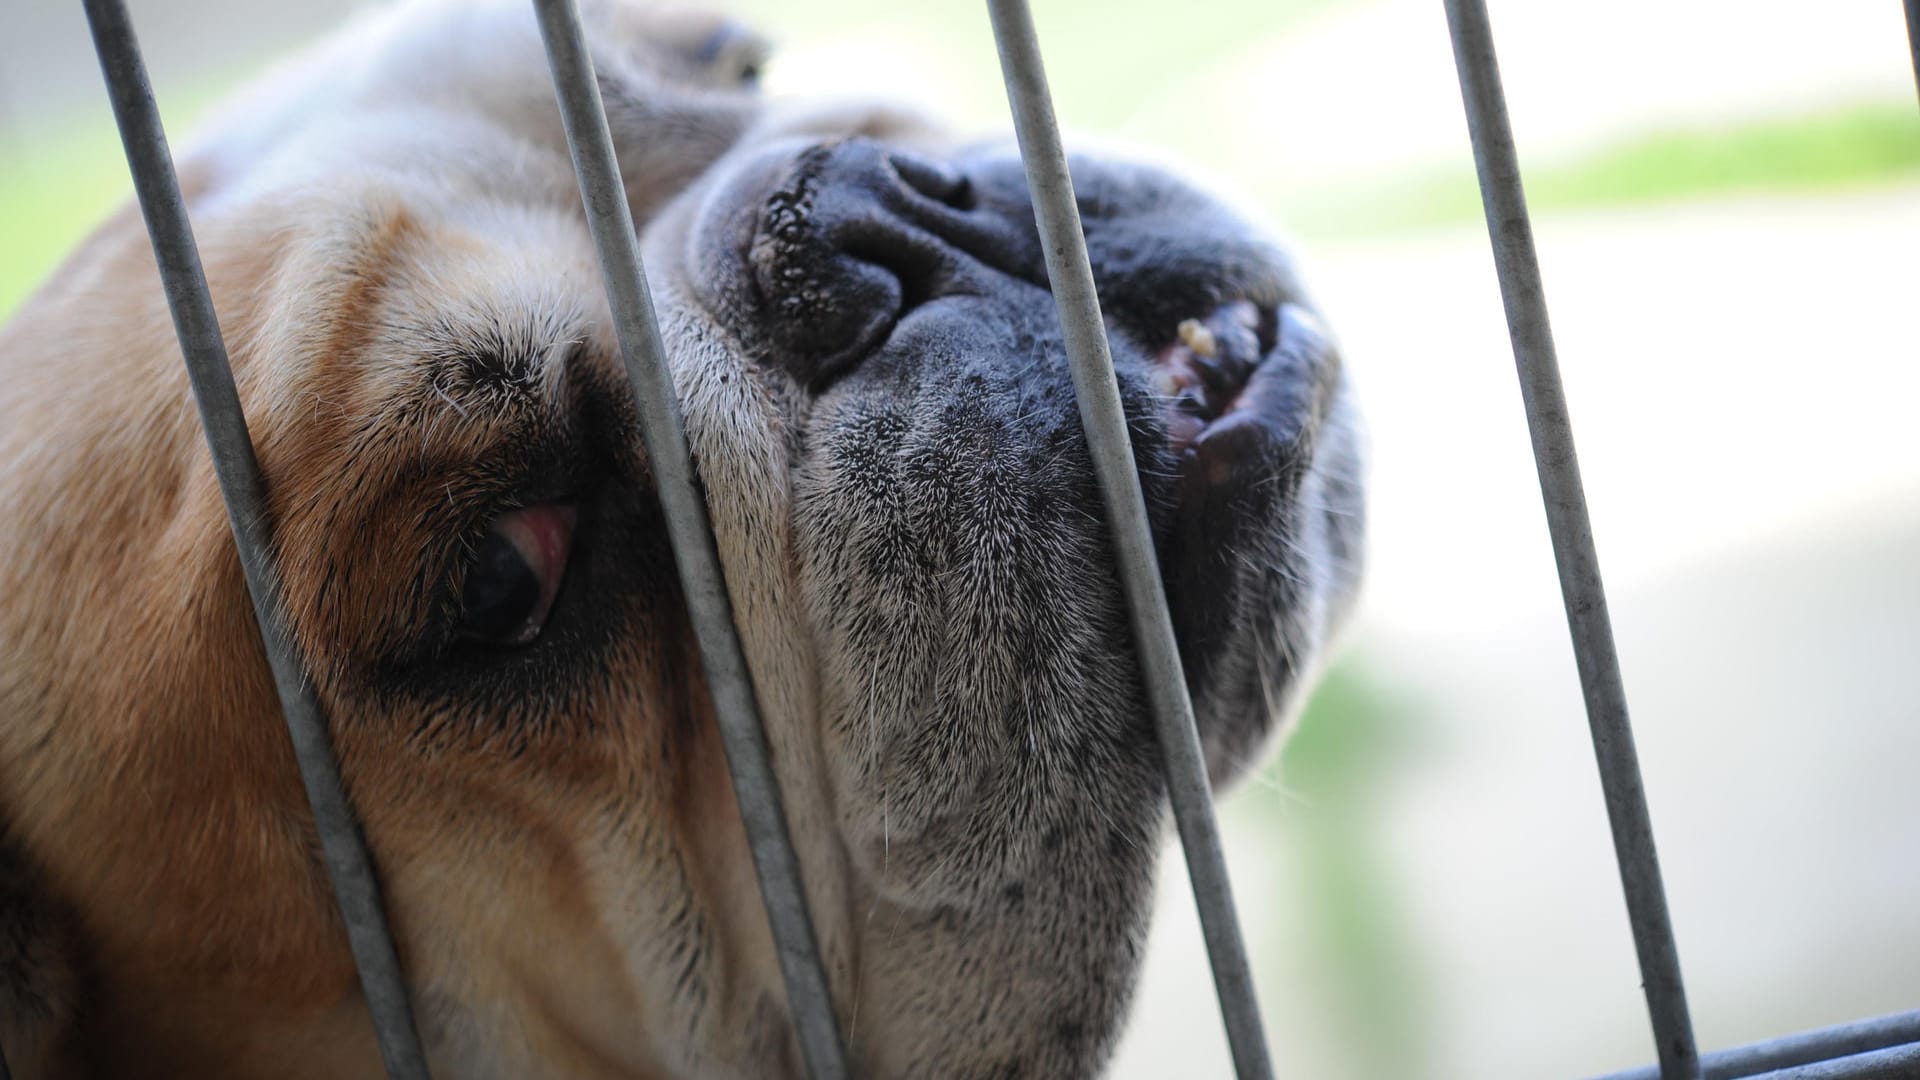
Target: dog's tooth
<point x="1195" y="335"/>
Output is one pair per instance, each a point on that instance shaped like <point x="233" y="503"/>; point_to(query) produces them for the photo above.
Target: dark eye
<point x="733" y="55"/>
<point x="515" y="575"/>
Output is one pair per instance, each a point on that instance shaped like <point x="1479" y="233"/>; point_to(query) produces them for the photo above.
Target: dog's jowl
<point x="879" y="408"/>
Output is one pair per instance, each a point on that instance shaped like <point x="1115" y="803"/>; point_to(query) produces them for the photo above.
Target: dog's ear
<point x="38" y="974"/>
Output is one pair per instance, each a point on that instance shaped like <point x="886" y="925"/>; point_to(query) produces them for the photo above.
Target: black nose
<point x="857" y="235"/>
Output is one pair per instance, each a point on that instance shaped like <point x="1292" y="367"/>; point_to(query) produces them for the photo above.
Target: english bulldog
<point x="476" y="573"/>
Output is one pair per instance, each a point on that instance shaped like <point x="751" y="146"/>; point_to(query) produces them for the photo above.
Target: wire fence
<point x="344" y="849"/>
<point x="691" y="536"/>
<point x="1882" y="1047"/>
<point x="1103" y="420"/>
<point x="1497" y="163"/>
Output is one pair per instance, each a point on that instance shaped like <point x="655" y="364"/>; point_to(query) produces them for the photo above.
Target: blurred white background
<point x="1727" y="200"/>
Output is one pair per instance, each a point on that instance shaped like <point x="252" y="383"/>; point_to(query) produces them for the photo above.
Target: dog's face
<point x="870" y="368"/>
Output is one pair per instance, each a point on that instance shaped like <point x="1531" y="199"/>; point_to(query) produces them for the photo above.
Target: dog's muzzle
<point x="816" y="253"/>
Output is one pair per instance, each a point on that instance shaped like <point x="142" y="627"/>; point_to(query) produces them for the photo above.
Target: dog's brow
<point x="515" y="358"/>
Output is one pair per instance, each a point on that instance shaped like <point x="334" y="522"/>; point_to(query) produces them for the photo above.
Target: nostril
<point x="942" y="183"/>
<point x="855" y="235"/>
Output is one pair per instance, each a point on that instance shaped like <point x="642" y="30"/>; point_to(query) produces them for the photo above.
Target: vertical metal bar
<point x="754" y="784"/>
<point x="1566" y="506"/>
<point x="1913" y="39"/>
<point x="1101" y="416"/>
<point x="343" y="848"/>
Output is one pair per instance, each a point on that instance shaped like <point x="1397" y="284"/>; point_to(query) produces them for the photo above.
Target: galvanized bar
<point x="1913" y="39"/>
<point x="1892" y="1063"/>
<point x="1084" y="333"/>
<point x="1804" y="1048"/>
<point x="343" y="848"/>
<point x="754" y="785"/>
<point x="1566" y="506"/>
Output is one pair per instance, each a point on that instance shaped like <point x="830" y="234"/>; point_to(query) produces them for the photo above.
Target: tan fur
<point x="146" y="775"/>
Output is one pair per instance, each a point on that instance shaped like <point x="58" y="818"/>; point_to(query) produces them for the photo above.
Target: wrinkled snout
<point x="850" y="236"/>
<point x="853" y="257"/>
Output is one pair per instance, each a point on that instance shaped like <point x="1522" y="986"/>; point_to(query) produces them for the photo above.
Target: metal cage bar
<point x="1518" y="266"/>
<point x="1892" y="1063"/>
<point x="1913" y="39"/>
<point x="694" y="554"/>
<point x="1842" y="1042"/>
<point x="343" y="848"/>
<point x="1104" y="421"/>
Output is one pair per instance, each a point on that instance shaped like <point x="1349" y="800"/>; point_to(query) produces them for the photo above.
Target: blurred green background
<point x="1727" y="197"/>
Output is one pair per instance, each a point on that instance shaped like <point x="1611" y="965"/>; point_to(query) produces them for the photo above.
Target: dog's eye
<point x="515" y="575"/>
<point x="734" y="55"/>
